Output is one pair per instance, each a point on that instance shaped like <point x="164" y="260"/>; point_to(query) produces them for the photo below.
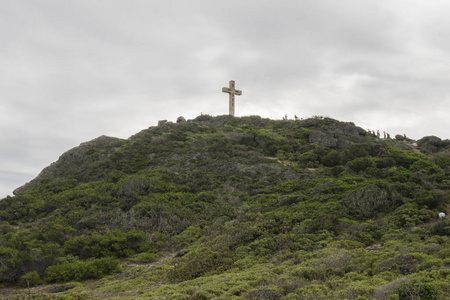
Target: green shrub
<point x="148" y="257"/>
<point x="337" y="170"/>
<point x="409" y="215"/>
<point x="312" y="273"/>
<point x="82" y="270"/>
<point x="197" y="263"/>
<point x="332" y="159"/>
<point x="355" y="151"/>
<point x="188" y="236"/>
<point x="443" y="162"/>
<point x="442" y="227"/>
<point x="432" y="199"/>
<point x="368" y="201"/>
<point x="385" y="162"/>
<point x="444" y="253"/>
<point x="113" y="243"/>
<point x="309" y="159"/>
<point x="30" y="279"/>
<point x="291" y="199"/>
<point x="360" y="164"/>
<point x="414" y="290"/>
<point x="403" y="264"/>
<point x="202" y="295"/>
<point x="266" y="293"/>
<point x="313" y="291"/>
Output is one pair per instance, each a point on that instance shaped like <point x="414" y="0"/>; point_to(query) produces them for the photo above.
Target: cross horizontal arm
<point x="232" y="91"/>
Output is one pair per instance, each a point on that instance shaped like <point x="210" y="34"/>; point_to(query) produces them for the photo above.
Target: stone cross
<point x="232" y="91"/>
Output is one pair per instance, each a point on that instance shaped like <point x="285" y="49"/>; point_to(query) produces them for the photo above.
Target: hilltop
<point x="234" y="208"/>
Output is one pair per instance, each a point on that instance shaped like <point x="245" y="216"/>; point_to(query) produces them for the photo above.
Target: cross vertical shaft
<point x="231" y="91"/>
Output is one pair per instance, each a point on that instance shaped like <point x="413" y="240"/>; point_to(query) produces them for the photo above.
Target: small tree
<point x="30" y="279"/>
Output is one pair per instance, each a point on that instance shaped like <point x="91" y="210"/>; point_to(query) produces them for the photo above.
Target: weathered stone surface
<point x="181" y="119"/>
<point x="361" y="131"/>
<point x="432" y="140"/>
<point x="346" y="127"/>
<point x="162" y="122"/>
<point x="322" y="139"/>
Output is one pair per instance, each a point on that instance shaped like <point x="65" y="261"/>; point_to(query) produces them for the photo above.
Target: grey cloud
<point x="75" y="70"/>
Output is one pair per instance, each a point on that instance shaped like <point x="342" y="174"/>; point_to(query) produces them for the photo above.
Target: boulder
<point x="432" y="140"/>
<point x="322" y="139"/>
<point x="181" y="119"/>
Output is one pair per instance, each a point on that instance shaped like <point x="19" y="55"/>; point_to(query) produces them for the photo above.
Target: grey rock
<point x="322" y="139"/>
<point x="181" y="253"/>
<point x="432" y="140"/>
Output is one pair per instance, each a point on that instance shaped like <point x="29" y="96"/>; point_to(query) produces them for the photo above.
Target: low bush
<point x="415" y="290"/>
<point x="78" y="271"/>
<point x="147" y="257"/>
<point x="368" y="201"/>
<point x="269" y="293"/>
<point x="441" y="227"/>
<point x="313" y="291"/>
<point x="198" y="263"/>
<point x="361" y="164"/>
<point x="30" y="279"/>
<point x="113" y="243"/>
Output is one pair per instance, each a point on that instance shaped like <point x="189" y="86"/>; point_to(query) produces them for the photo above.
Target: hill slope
<point x="234" y="208"/>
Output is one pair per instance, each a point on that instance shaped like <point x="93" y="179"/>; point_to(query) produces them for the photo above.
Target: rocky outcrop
<point x="181" y="120"/>
<point x="432" y="140"/>
<point x="322" y="139"/>
<point x="432" y="144"/>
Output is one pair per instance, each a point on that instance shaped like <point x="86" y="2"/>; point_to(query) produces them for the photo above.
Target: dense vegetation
<point x="234" y="208"/>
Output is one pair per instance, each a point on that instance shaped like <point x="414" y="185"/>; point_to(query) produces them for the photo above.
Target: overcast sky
<point x="71" y="71"/>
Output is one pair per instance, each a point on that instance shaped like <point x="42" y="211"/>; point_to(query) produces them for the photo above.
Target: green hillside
<point x="234" y="208"/>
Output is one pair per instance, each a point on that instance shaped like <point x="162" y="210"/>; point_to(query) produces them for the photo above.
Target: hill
<point x="234" y="208"/>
